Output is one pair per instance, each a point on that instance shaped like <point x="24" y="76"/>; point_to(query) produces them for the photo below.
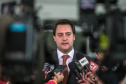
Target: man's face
<point x="64" y="38"/>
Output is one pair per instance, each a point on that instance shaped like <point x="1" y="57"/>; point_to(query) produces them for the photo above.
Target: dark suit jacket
<point x="71" y="78"/>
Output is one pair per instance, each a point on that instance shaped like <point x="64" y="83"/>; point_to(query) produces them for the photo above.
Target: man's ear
<point x="54" y="38"/>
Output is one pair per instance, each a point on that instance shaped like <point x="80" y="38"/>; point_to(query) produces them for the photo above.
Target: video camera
<point x="20" y="43"/>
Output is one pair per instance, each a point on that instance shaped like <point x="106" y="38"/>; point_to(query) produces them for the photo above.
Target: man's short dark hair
<point x="63" y="22"/>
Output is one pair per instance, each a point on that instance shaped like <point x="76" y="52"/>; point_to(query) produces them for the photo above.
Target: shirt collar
<point x="60" y="54"/>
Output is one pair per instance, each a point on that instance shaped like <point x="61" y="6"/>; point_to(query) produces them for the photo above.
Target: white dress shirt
<point x="69" y="59"/>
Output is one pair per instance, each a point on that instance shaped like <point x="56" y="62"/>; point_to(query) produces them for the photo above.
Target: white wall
<point x="55" y="10"/>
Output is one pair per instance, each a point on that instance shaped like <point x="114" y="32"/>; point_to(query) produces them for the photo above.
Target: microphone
<point x="80" y="67"/>
<point x="93" y="66"/>
<point x="74" y="69"/>
<point x="48" y="67"/>
<point x="83" y="61"/>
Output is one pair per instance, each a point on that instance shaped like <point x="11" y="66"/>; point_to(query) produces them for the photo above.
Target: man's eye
<point x="59" y="35"/>
<point x="68" y="34"/>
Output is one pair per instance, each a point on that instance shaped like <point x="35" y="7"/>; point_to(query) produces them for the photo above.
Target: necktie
<point x="65" y="72"/>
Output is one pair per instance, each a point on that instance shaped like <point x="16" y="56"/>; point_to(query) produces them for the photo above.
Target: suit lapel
<point x="55" y="58"/>
<point x="74" y="57"/>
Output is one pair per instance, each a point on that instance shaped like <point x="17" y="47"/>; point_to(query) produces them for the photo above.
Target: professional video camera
<point x="20" y="44"/>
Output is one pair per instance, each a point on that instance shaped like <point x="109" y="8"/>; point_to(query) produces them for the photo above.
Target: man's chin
<point x="66" y="50"/>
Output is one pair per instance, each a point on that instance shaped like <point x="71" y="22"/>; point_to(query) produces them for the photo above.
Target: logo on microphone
<point x="93" y="66"/>
<point x="83" y="61"/>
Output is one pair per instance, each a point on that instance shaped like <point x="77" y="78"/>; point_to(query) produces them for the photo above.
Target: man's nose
<point x="64" y="37"/>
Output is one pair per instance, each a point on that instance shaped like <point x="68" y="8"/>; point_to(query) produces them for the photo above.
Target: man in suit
<point x="64" y="36"/>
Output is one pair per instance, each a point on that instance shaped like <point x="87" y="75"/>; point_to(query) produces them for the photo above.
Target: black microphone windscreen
<point x="72" y="66"/>
<point x="79" y="55"/>
<point x="74" y="69"/>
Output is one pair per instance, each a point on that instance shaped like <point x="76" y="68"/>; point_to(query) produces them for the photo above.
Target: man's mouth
<point x="64" y="43"/>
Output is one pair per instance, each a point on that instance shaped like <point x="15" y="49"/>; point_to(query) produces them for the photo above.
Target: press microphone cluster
<point x="85" y="64"/>
<point x="81" y="65"/>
